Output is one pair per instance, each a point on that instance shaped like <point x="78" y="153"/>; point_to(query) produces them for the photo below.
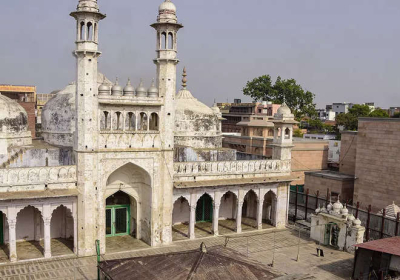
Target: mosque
<point x="123" y="161"/>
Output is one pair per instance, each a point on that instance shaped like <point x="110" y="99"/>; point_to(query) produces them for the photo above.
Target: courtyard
<point x="282" y="246"/>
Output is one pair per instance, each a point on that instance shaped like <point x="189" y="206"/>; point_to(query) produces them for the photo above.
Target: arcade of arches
<point x="223" y="212"/>
<point x="33" y="229"/>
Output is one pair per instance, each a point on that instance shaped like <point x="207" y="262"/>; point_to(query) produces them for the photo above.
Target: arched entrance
<point x="204" y="215"/>
<point x="227" y="213"/>
<point x="180" y="219"/>
<point x="249" y="210"/>
<point x="128" y="208"/>
<point x="62" y="231"/>
<point x="269" y="212"/>
<point x="4" y="253"/>
<point x="118" y="214"/>
<point x="30" y="228"/>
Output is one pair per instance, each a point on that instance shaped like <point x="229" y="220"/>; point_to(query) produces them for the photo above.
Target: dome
<point x="129" y="90"/>
<point x="104" y="89"/>
<point x="141" y="90"/>
<point x="153" y="90"/>
<point x="13" y="118"/>
<point x="116" y="90"/>
<point x="196" y="124"/>
<point x="167" y="6"/>
<point x="284" y="110"/>
<point x="58" y="115"/>
<point x="357" y="223"/>
<point x="337" y="206"/>
<point x="344" y="211"/>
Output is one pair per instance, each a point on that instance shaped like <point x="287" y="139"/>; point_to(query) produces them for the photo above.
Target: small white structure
<point x="334" y="226"/>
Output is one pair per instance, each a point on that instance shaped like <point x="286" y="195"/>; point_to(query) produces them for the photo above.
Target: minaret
<point x="87" y="17"/>
<point x="283" y="134"/>
<point x="167" y="28"/>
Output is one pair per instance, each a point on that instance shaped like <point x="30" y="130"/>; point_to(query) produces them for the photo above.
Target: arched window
<point x="95" y="32"/>
<point x="142" y="124"/>
<point x="271" y="132"/>
<point x="287" y="133"/>
<point x="105" y="122"/>
<point x="117" y="121"/>
<point x="163" y="41"/>
<point x="170" y="41"/>
<point x="130" y="121"/>
<point x="82" y="31"/>
<point x="154" y="122"/>
<point x="89" y="32"/>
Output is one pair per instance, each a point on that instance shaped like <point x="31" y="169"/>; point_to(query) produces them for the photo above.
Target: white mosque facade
<point x="120" y="161"/>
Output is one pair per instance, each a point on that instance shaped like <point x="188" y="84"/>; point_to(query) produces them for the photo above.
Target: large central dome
<point x="196" y="124"/>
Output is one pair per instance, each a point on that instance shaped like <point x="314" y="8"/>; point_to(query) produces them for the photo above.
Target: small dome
<point x="329" y="207"/>
<point x="141" y="90"/>
<point x="344" y="211"/>
<point x="357" y="222"/>
<point x="104" y="89"/>
<point x="284" y="110"/>
<point x="351" y="218"/>
<point x="116" y="90"/>
<point x="13" y="118"/>
<point x="153" y="90"/>
<point x="129" y="90"/>
<point x="167" y="7"/>
<point x="337" y="207"/>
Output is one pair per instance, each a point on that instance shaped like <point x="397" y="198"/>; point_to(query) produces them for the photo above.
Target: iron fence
<point x="302" y="204"/>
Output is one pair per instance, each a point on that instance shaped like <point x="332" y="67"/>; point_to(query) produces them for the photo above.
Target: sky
<point x="341" y="50"/>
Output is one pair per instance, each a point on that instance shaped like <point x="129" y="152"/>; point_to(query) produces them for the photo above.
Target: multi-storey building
<point x="106" y="166"/>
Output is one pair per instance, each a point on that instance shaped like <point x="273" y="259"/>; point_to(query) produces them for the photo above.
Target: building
<point x="319" y="136"/>
<point x="256" y="141"/>
<point x="106" y="165"/>
<point x="26" y="97"/>
<point x="41" y="100"/>
<point x="379" y="259"/>
<point x="393" y="111"/>
<point x="234" y="113"/>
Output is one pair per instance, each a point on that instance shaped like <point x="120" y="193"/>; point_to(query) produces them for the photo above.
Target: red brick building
<point x="26" y="97"/>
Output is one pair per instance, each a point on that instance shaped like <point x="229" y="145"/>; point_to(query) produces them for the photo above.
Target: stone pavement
<point x="261" y="246"/>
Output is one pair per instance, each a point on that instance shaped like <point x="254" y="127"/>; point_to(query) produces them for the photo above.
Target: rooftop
<point x="331" y="175"/>
<point x="388" y="245"/>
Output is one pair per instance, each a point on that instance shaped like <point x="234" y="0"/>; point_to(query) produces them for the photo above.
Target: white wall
<point x="228" y="207"/>
<point x="181" y="212"/>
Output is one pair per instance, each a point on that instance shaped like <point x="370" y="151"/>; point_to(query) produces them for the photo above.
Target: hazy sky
<point x="340" y="50"/>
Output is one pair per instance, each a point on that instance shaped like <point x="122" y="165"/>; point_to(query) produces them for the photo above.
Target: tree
<point x="396" y="115"/>
<point x="379" y="113"/>
<point x="301" y="102"/>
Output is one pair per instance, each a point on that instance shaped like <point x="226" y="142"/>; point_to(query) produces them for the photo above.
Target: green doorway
<point x="118" y="213"/>
<point x="204" y="209"/>
<point x="1" y="229"/>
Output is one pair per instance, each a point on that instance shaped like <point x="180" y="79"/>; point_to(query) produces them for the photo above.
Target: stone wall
<point x="348" y="152"/>
<point x="377" y="162"/>
<point x="318" y="182"/>
<point x="30" y="110"/>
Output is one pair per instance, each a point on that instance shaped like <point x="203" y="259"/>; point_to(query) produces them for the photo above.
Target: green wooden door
<point x="204" y="209"/>
<point x="118" y="220"/>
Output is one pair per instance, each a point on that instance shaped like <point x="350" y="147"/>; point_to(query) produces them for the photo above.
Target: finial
<point x="153" y="84"/>
<point x="116" y="81"/>
<point x="129" y="82"/>
<point x="141" y="82"/>
<point x="184" y="79"/>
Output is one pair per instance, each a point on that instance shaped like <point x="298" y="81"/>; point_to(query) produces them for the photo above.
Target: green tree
<point x="379" y="113"/>
<point x="298" y="133"/>
<point x="301" y="102"/>
<point x="396" y="115"/>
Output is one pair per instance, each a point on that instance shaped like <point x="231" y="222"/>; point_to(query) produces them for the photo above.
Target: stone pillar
<point x="260" y="203"/>
<point x="239" y="217"/>
<point x="75" y="217"/>
<point x="215" y="218"/>
<point x="47" y="237"/>
<point x="192" y="222"/>
<point x="12" y="232"/>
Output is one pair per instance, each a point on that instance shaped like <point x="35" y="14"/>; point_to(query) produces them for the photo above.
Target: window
<point x="154" y="121"/>
<point x="170" y="41"/>
<point x="163" y="41"/>
<point x="82" y="31"/>
<point x="142" y="125"/>
<point x="89" y="32"/>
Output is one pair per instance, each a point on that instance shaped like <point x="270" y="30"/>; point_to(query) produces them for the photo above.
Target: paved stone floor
<point x="29" y="250"/>
<point x="204" y="229"/>
<point x="262" y="246"/>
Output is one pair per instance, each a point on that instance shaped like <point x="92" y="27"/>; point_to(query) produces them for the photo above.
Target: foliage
<point x="379" y="113"/>
<point x="301" y="102"/>
<point x="350" y="120"/>
<point x="396" y="115"/>
<point x="298" y="133"/>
